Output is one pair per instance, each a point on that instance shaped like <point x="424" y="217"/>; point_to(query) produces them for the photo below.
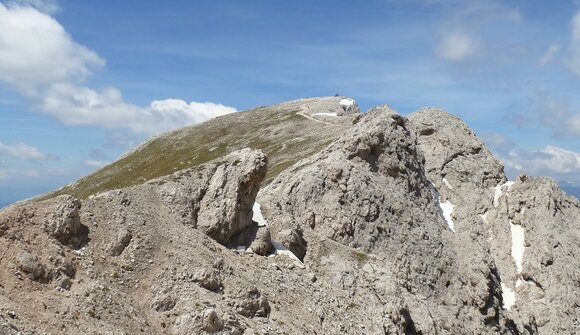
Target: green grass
<point x="361" y="256"/>
<point x="283" y="135"/>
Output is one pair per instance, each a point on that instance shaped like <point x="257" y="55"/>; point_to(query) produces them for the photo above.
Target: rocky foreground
<point x="401" y="225"/>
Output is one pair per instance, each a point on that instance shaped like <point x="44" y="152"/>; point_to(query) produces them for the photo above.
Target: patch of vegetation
<point x="361" y="256"/>
<point x="282" y="134"/>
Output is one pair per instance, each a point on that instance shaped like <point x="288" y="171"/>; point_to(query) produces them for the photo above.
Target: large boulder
<point x="225" y="209"/>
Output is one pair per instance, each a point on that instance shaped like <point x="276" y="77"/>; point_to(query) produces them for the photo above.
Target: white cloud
<point x="30" y="173"/>
<point x="553" y="161"/>
<point x="41" y="60"/>
<point x="11" y="173"/>
<point x="22" y="151"/>
<point x="497" y="141"/>
<point x="556" y="114"/>
<point x="37" y="51"/>
<point x="95" y="163"/>
<point x="76" y="105"/>
<point x="457" y="46"/>
<point x="550" y="53"/>
<point x="46" y="6"/>
<point x="574" y="56"/>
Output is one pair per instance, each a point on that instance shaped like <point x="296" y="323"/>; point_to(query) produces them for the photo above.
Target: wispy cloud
<point x="462" y="30"/>
<point x="22" y="151"/>
<point x="29" y="173"/>
<point x="41" y="60"/>
<point x="46" y="6"/>
<point x="550" y="54"/>
<point x="554" y="161"/>
<point x="497" y="142"/>
<point x="573" y="60"/>
<point x="556" y="114"/>
<point x="457" y="46"/>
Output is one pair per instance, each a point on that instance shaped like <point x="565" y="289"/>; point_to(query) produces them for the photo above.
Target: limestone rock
<point x="253" y="304"/>
<point x="262" y="242"/>
<point x="211" y="322"/>
<point x="292" y="240"/>
<point x="208" y="278"/>
<point x="226" y="207"/>
<point x="31" y="265"/>
<point x="121" y="242"/>
<point x="62" y="221"/>
<point x="401" y="225"/>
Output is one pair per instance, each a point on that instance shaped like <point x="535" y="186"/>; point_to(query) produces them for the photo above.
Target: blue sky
<point x="81" y="82"/>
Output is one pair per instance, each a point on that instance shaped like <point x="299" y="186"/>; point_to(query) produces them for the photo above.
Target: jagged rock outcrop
<point x="535" y="239"/>
<point x="226" y="206"/>
<point x="368" y="190"/>
<point x="354" y="190"/>
<point x="493" y="217"/>
<point x="394" y="226"/>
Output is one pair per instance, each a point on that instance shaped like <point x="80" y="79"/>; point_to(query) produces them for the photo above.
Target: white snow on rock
<point x="498" y="191"/>
<point x="324" y="114"/>
<point x="509" y="297"/>
<point x="447" y="208"/>
<point x="484" y="217"/>
<point x="486" y="221"/>
<point x="257" y="215"/>
<point x="518" y="245"/>
<point x="346" y="102"/>
<point x="279" y="248"/>
<point x="447" y="184"/>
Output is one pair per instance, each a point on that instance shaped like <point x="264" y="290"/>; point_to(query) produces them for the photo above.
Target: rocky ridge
<point x="397" y="226"/>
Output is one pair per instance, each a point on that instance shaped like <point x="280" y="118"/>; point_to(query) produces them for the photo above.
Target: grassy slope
<point x="283" y="134"/>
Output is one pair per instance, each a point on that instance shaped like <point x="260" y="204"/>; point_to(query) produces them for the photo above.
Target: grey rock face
<point x="216" y="198"/>
<point x="488" y="213"/>
<point x="541" y="276"/>
<point x="463" y="172"/>
<point x="292" y="240"/>
<point x="367" y="191"/>
<point x="226" y="207"/>
<point x="360" y="189"/>
<point x="454" y="151"/>
<point x="400" y="226"/>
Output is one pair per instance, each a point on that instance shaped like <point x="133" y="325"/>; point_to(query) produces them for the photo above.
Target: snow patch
<point x="509" y="297"/>
<point x="498" y="191"/>
<point x="279" y="249"/>
<point x="324" y="114"/>
<point x="257" y="215"/>
<point x="484" y="217"/>
<point x="347" y="102"/>
<point x="518" y="245"/>
<point x="486" y="221"/>
<point x="447" y="184"/>
<point x="447" y="208"/>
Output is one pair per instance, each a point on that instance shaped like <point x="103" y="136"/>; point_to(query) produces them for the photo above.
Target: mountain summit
<point x="306" y="217"/>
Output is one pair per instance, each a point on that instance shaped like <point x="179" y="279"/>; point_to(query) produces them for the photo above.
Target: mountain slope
<point x="401" y="225"/>
<point x="286" y="132"/>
